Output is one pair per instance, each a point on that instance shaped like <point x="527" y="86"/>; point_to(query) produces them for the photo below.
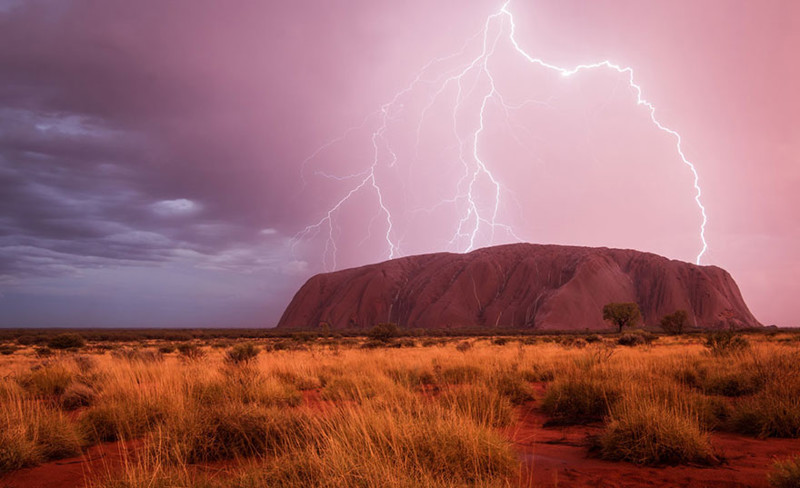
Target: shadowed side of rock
<point x="518" y="286"/>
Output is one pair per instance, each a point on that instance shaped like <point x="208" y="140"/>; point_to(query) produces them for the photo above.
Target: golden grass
<point x="412" y="416"/>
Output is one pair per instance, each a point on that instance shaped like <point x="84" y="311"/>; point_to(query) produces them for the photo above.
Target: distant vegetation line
<point x="41" y="335"/>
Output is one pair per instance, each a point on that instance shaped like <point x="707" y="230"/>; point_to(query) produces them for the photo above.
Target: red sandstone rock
<point x="517" y="286"/>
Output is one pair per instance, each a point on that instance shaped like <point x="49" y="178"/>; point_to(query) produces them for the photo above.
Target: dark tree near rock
<point x="675" y="322"/>
<point x="622" y="314"/>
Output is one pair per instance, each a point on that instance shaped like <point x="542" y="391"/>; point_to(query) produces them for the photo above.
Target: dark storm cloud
<point x="132" y="134"/>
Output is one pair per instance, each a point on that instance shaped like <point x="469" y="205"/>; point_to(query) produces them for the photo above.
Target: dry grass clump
<point x="578" y="398"/>
<point x="785" y="474"/>
<point x="349" y="388"/>
<point x="773" y="412"/>
<point x="32" y="432"/>
<point x="420" y="445"/>
<point x="77" y="395"/>
<point x="482" y="404"/>
<point x="47" y="380"/>
<point x="232" y="430"/>
<point x="512" y="385"/>
<point x="645" y="429"/>
<point x="725" y="378"/>
<point x="415" y="377"/>
<point x="115" y="419"/>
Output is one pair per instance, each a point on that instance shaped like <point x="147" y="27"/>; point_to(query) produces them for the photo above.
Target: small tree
<point x="622" y="314"/>
<point x="674" y="323"/>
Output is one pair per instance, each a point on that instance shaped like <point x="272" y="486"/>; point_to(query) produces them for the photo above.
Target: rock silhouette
<point x="520" y="286"/>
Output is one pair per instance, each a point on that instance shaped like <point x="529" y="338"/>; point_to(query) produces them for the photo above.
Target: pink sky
<point x="154" y="153"/>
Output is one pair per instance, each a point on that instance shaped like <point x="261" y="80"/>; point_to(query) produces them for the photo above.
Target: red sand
<point x="558" y="456"/>
<point x="72" y="472"/>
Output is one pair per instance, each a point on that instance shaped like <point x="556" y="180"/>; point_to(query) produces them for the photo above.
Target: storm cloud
<point x="151" y="153"/>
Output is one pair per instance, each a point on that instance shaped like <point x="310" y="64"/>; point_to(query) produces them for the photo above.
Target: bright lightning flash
<point x="473" y="218"/>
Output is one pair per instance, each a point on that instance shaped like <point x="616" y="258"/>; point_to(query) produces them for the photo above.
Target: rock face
<point x="520" y="286"/>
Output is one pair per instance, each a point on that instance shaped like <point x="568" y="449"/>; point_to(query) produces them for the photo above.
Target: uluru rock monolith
<point x="517" y="286"/>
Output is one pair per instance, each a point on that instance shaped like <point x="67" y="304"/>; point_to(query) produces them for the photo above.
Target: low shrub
<point x="725" y="343"/>
<point x="30" y="340"/>
<point x="635" y="339"/>
<point x="592" y="338"/>
<point x="242" y="353"/>
<point x="135" y="354"/>
<point x="7" y="349"/>
<point x="463" y="346"/>
<point x="66" y="341"/>
<point x="191" y="351"/>
<point x="43" y="352"/>
<point x="383" y="332"/>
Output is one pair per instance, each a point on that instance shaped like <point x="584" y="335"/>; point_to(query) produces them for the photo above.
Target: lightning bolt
<point x="474" y="219"/>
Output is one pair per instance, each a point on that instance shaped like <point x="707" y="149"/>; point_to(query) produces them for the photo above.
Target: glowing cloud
<point x="474" y="220"/>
